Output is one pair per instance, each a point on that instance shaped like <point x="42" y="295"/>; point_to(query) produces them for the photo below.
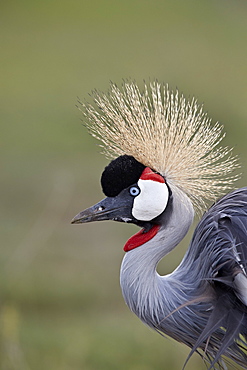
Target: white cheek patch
<point x="151" y="201"/>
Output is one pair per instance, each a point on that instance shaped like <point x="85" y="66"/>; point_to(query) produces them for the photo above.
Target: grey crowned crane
<point x="166" y="163"/>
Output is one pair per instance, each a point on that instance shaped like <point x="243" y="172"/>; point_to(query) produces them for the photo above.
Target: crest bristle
<point x="164" y="131"/>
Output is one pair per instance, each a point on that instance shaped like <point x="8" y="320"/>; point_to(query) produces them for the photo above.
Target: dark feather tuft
<point x="119" y="174"/>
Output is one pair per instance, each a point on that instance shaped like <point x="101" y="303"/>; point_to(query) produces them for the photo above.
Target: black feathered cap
<point x="120" y="174"/>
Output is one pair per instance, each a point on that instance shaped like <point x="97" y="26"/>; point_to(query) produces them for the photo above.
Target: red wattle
<point x="140" y="238"/>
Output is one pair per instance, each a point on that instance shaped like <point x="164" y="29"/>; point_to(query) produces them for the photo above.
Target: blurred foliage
<point x="61" y="305"/>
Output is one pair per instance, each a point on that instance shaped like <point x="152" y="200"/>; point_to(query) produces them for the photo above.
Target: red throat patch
<point x="141" y="238"/>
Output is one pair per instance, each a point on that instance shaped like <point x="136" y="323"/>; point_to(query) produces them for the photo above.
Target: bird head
<point x="135" y="194"/>
<point x="165" y="151"/>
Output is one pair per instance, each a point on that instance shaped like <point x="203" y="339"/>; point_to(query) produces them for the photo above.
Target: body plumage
<point x="168" y="152"/>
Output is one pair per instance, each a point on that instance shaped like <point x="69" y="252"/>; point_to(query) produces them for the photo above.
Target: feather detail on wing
<point x="221" y="245"/>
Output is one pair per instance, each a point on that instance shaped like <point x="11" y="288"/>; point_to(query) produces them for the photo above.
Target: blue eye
<point x="134" y="191"/>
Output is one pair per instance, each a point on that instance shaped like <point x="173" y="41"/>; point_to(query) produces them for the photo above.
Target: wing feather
<point x="219" y="249"/>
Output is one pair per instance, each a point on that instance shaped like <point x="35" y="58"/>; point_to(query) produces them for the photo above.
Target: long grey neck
<point x="144" y="290"/>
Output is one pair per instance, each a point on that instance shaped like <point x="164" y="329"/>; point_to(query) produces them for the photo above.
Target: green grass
<point x="61" y="305"/>
<point x="71" y="340"/>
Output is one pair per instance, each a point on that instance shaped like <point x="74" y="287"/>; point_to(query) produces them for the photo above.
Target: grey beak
<point x="112" y="208"/>
<point x="97" y="212"/>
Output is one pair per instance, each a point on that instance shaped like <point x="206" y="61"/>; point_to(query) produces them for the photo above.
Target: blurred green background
<point x="61" y="305"/>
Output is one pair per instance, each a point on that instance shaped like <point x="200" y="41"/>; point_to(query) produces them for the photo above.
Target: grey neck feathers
<point x="148" y="294"/>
